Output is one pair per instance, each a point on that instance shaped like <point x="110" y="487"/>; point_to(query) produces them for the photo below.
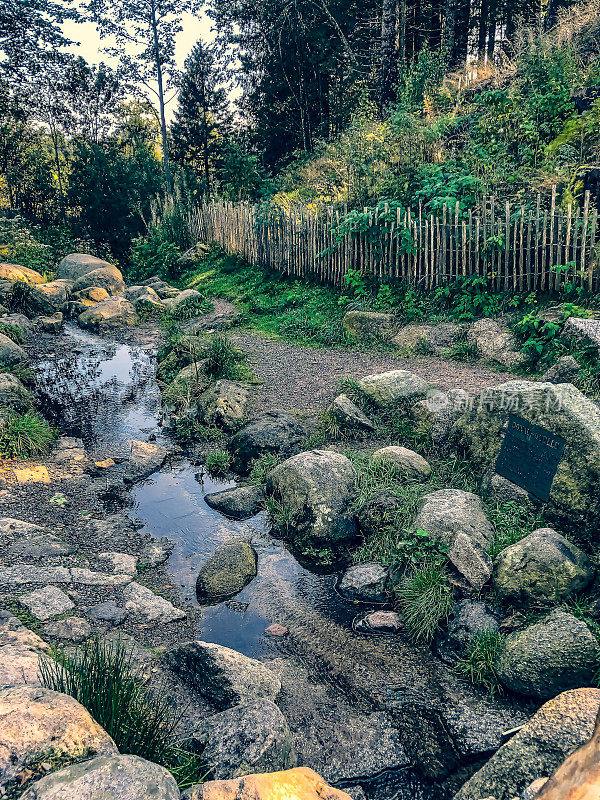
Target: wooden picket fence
<point x="540" y="248"/>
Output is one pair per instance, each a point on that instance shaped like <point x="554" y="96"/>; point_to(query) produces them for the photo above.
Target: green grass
<point x="192" y="307"/>
<point x="188" y="429"/>
<point x="25" y="435"/>
<point x="425" y="599"/>
<point x="21" y="371"/>
<point x="12" y="331"/>
<point x="261" y="467"/>
<point x="480" y="660"/>
<point x="512" y="522"/>
<point x="223" y="360"/>
<point x="105" y="680"/>
<point x="218" y="462"/>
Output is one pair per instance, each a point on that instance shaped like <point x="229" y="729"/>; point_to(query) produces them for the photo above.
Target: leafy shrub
<point x="218" y="462"/>
<point x="480" y="660"/>
<point x="105" y="680"/>
<point x="425" y="599"/>
<point x="192" y="307"/>
<point x="160" y="251"/>
<point x="25" y="435"/>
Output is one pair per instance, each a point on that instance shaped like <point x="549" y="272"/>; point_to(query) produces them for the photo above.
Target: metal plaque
<point x="530" y="456"/>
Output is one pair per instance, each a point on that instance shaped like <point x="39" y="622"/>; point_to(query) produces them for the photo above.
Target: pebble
<point x="276" y="630"/>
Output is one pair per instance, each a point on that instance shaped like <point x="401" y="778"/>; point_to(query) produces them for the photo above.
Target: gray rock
<point x="44" y="299"/>
<point x="108" y="612"/>
<point x="369" y="325"/>
<point x="72" y="629"/>
<point x="75" y="265"/>
<point x="108" y="278"/>
<point x="114" y="312"/>
<point x="586" y="331"/>
<point x="280" y="434"/>
<point x="242" y="502"/>
<point x="559" y="727"/>
<point x="405" y="461"/>
<point x="227" y="571"/>
<point x="499" y="489"/>
<point x="182" y="299"/>
<point x="557" y="653"/>
<point x="10" y="352"/>
<point x="119" y="562"/>
<point x="565" y="370"/>
<point x="387" y="390"/>
<point x="496" y="343"/>
<point x="144" y="459"/>
<point x="155" y="553"/>
<point x="365" y="583"/>
<point x="378" y="622"/>
<point x="221" y="675"/>
<point x="413" y="339"/>
<point x="316" y="490"/>
<point x="14" y="633"/>
<point x="68" y="449"/>
<point x="31" y="573"/>
<point x="47" y="602"/>
<point x="543" y="566"/>
<point x="378" y="512"/>
<point x="19" y="321"/>
<point x="224" y="404"/>
<point x="348" y="415"/>
<point x="50" y="324"/>
<point x="469" y="619"/>
<point x="162" y="289"/>
<point x="13" y="395"/>
<point x="457" y="520"/>
<point x="88" y="577"/>
<point x="246" y="739"/>
<point x="152" y="608"/>
<point x="533" y="789"/>
<point x="436" y="415"/>
<point x="110" y="778"/>
<point x="31" y="541"/>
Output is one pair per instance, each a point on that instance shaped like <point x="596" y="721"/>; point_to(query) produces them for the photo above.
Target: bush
<point x="25" y="435"/>
<point x="479" y="662"/>
<point x="218" y="462"/>
<point x="223" y="360"/>
<point x="192" y="307"/>
<point x="105" y="680"/>
<point x="425" y="599"/>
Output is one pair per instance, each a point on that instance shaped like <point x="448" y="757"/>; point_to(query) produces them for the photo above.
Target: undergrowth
<point x="479" y="663"/>
<point x="218" y="462"/>
<point x="25" y="435"/>
<point x="425" y="599"/>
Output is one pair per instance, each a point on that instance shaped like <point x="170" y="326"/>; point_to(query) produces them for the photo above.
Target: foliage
<point x="12" y="331"/>
<point x="511" y="522"/>
<point x="25" y="435"/>
<point x="261" y="467"/>
<point x="425" y="599"/>
<point x="479" y="663"/>
<point x="105" y="679"/>
<point x="472" y="297"/>
<point x="218" y="462"/>
<point x="223" y="360"/>
<point x="187" y="429"/>
<point x="192" y="307"/>
<point x="159" y="251"/>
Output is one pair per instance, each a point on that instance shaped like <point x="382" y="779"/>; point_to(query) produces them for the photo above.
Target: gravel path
<point x="305" y="379"/>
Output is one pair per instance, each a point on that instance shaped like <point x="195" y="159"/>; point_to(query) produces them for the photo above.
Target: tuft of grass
<point x="187" y="429"/>
<point x="480" y="660"/>
<point x="105" y="680"/>
<point x="278" y="516"/>
<point x="512" y="522"/>
<point x="261" y="467"/>
<point x="192" y="307"/>
<point x="21" y="371"/>
<point x="25" y="435"/>
<point x="223" y="360"/>
<point x="218" y="462"/>
<point x="12" y="331"/>
<point x="425" y="599"/>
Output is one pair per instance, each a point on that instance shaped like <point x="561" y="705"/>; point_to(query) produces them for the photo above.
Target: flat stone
<point x="277" y="630"/>
<point x="155" y="553"/>
<point x="47" y="602"/>
<point x="108" y="612"/>
<point x="19" y="664"/>
<point x="365" y="583"/>
<point x="120" y="562"/>
<point x="68" y="449"/>
<point x="13" y="632"/>
<point x="72" y="629"/>
<point x="38" y="474"/>
<point x="144" y="459"/>
<point x="31" y="541"/>
<point x="406" y="461"/>
<point x="386" y="390"/>
<point x="31" y="573"/>
<point x="348" y="415"/>
<point x="241" y="502"/>
<point x="378" y="622"/>
<point x="87" y="577"/>
<point x="295" y="784"/>
<point x="141" y="600"/>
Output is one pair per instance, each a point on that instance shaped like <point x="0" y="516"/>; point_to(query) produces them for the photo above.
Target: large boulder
<point x="10" y="352"/>
<point x="496" y="343"/>
<point x="563" y="410"/>
<point x="457" y="520"/>
<point x="280" y="434"/>
<point x="584" y="331"/>
<point x="557" y="653"/>
<point x="348" y="415"/>
<point x="19" y="323"/>
<point x="241" y="502"/>
<point x="38" y="722"/>
<point x="115" y="312"/>
<point x="365" y="583"/>
<point x="558" y="728"/>
<point x="405" y="461"/>
<point x="144" y="298"/>
<point x="249" y="738"/>
<point x="144" y="459"/>
<point x="543" y="566"/>
<point x="224" y="404"/>
<point x="315" y="491"/>
<point x="107" y="778"/>
<point x="107" y="278"/>
<point x="388" y="390"/>
<point x="75" y="265"/>
<point x="369" y="325"/>
<point x="226" y="571"/>
<point x="13" y="395"/>
<point x="414" y="339"/>
<point x="221" y="675"/>
<point x="15" y="272"/>
<point x="187" y="299"/>
<point x="39" y="299"/>
<point x="294" y="784"/>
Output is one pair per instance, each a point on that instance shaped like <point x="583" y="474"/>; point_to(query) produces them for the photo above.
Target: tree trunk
<point x="388" y="52"/>
<point x="204" y="102"/>
<point x="461" y="23"/>
<point x="491" y="44"/>
<point x="483" y="28"/>
<point x="161" y="101"/>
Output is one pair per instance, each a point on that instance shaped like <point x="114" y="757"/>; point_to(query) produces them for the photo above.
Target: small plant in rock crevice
<point x="479" y="664"/>
<point x="425" y="599"/>
<point x="218" y="462"/>
<point x="261" y="467"/>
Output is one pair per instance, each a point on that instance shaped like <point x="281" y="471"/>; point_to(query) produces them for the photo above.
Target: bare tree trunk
<point x="483" y="27"/>
<point x="388" y="52"/>
<point x="161" y="102"/>
<point x="204" y="102"/>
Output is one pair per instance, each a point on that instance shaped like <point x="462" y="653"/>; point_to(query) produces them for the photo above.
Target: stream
<point x="106" y="393"/>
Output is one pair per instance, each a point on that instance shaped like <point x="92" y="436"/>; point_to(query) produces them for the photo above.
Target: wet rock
<point x="280" y="434"/>
<point x="378" y="622"/>
<point x="10" y="352"/>
<point x="457" y="520"/>
<point x="144" y="459"/>
<point x="224" y="404"/>
<point x="557" y="653"/>
<point x="74" y="265"/>
<point x="388" y="390"/>
<point x="155" y="553"/>
<point x="276" y="630"/>
<point x="365" y="583"/>
<point x="250" y="738"/>
<point x="496" y="343"/>
<point x="469" y="619"/>
<point x="16" y="272"/>
<point x="558" y="728"/>
<point x="296" y="784"/>
<point x="152" y="608"/>
<point x="108" y="612"/>
<point x="348" y="415"/>
<point x="73" y="629"/>
<point x="543" y="566"/>
<point x="406" y="461"/>
<point x="68" y="449"/>
<point x="562" y="409"/>
<point x="369" y="325"/>
<point x="316" y="490"/>
<point x="116" y="312"/>
<point x="50" y="324"/>
<point x="565" y="370"/>
<point x="227" y="570"/>
<point x="221" y="675"/>
<point x="110" y="777"/>
<point x="47" y="602"/>
<point x="35" y="722"/>
<point x="13" y="395"/>
<point x="120" y="562"/>
<point x="242" y="502"/>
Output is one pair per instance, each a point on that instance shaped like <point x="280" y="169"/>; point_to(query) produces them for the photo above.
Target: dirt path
<point x="300" y="378"/>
